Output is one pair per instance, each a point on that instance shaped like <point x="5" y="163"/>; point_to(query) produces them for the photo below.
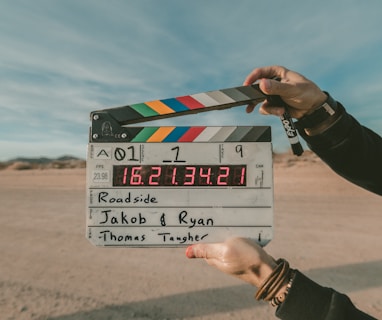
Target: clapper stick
<point x="117" y="118"/>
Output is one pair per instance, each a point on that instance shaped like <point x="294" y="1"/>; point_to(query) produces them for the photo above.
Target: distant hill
<point x="22" y="163"/>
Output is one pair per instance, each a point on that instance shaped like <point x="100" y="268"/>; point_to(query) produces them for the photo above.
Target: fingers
<point x="265" y="72"/>
<point x="267" y="109"/>
<point x="269" y="86"/>
<point x="250" y="108"/>
<point x="284" y="85"/>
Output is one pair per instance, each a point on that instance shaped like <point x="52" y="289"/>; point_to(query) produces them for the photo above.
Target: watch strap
<point x="326" y="110"/>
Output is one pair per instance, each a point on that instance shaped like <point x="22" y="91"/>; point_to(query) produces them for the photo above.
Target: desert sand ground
<point x="324" y="226"/>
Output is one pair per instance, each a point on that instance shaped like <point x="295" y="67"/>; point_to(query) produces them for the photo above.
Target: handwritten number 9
<point x="239" y="150"/>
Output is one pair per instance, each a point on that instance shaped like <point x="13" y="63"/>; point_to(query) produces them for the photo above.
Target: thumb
<point x="271" y="87"/>
<point x="202" y="250"/>
<point x="190" y="252"/>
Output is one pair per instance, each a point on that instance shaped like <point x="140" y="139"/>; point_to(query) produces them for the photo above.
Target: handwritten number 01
<point x="132" y="153"/>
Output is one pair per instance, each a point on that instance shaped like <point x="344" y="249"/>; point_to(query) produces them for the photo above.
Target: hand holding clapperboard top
<point x="176" y="186"/>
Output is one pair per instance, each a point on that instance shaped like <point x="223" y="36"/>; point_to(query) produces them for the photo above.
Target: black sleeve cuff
<point x="308" y="300"/>
<point x="305" y="300"/>
<point x="334" y="135"/>
<point x="326" y="110"/>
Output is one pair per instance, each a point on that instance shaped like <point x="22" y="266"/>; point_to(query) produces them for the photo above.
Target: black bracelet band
<point x="326" y="110"/>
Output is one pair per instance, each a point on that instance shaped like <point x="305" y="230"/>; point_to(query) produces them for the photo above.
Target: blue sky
<point x="60" y="60"/>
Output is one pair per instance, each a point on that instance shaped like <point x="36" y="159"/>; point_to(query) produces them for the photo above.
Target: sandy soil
<point x="324" y="226"/>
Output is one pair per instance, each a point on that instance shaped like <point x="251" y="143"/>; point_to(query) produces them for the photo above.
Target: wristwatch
<point x="323" y="112"/>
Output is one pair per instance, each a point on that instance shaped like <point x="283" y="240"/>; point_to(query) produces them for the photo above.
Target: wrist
<point x="320" y="100"/>
<point x="265" y="272"/>
<point x="258" y="275"/>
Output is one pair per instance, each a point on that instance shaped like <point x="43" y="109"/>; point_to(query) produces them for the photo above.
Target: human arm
<point x="305" y="299"/>
<point x="350" y="149"/>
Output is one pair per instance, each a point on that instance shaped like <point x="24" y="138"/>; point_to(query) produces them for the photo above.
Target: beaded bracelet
<point x="278" y="300"/>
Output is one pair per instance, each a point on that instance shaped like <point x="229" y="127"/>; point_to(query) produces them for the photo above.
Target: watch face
<point x="328" y="109"/>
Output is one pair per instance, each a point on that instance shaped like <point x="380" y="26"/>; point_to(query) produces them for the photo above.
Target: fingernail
<point x="189" y="252"/>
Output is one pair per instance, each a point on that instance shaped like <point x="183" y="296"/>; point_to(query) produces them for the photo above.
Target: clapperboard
<point x="171" y="186"/>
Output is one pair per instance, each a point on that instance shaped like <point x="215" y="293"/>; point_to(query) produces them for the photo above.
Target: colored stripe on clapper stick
<point x="207" y="134"/>
<point x="159" y="107"/>
<point x="168" y="134"/>
<point x="223" y="134"/>
<point x="144" y="110"/>
<point x="191" y="134"/>
<point x="144" y="134"/>
<point x="160" y="134"/>
<point x="190" y="102"/>
<point x="176" y="134"/>
<point x="180" y="104"/>
<point x="203" y="134"/>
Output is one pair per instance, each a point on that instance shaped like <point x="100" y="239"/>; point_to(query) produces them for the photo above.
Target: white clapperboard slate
<point x="175" y="186"/>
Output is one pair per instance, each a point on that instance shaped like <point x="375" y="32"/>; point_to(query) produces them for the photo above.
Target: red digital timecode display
<point x="179" y="175"/>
